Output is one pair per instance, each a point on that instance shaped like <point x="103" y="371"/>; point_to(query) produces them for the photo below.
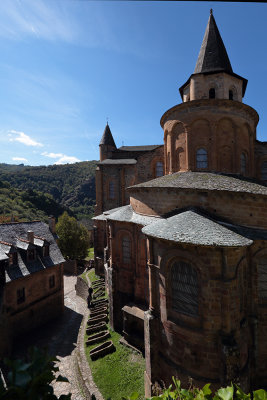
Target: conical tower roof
<point x="107" y="137"/>
<point x="213" y="55"/>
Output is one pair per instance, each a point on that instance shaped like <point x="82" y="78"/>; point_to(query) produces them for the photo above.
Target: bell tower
<point x="211" y="130"/>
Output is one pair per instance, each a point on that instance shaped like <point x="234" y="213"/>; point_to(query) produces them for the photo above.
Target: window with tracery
<point x="243" y="162"/>
<point x="184" y="288"/>
<point x="111" y="190"/>
<point x="159" y="169"/>
<point x="262" y="278"/>
<point x="126" y="249"/>
<point x="212" y="93"/>
<point x="264" y="171"/>
<point x="202" y="158"/>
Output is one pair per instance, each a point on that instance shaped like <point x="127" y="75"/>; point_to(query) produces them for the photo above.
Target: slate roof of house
<point x="109" y="161"/>
<point x="140" y="148"/>
<point x="107" y="137"/>
<point x="205" y="181"/>
<point x="192" y="228"/>
<point x="13" y="232"/>
<point x="213" y="55"/>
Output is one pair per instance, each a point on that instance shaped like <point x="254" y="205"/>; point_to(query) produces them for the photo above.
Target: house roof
<point x="192" y="228"/>
<point x="109" y="161"/>
<point x="206" y="181"/>
<point x="107" y="137"/>
<point x="213" y="55"/>
<point x="13" y="233"/>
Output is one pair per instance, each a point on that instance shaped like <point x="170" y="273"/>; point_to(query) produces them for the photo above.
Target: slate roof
<point x="109" y="161"/>
<point x="11" y="232"/>
<point x="213" y="55"/>
<point x="192" y="228"/>
<point x="107" y="137"/>
<point x="103" y="217"/>
<point x="205" y="181"/>
<point x="126" y="214"/>
<point x="140" y="148"/>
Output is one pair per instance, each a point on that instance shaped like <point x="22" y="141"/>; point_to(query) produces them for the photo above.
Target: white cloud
<point x="67" y="160"/>
<point x="62" y="158"/>
<point x="16" y="136"/>
<point x="52" y="155"/>
<point x="27" y="17"/>
<point x="19" y="159"/>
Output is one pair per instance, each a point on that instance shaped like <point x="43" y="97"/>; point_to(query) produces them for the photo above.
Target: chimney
<point x="30" y="236"/>
<point x="52" y="224"/>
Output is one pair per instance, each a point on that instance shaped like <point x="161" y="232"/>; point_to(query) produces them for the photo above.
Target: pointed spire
<point x="107" y="137"/>
<point x="212" y="56"/>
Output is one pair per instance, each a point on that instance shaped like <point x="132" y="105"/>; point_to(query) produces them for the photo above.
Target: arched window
<point x="231" y="95"/>
<point x="202" y="158"/>
<point x="126" y="249"/>
<point x="264" y="171"/>
<point x="184" y="288"/>
<point x="262" y="278"/>
<point x="111" y="190"/>
<point x="243" y="163"/>
<point x="159" y="168"/>
<point x="212" y="93"/>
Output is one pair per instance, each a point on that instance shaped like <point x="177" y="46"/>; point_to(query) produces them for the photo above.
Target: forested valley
<point x="28" y="193"/>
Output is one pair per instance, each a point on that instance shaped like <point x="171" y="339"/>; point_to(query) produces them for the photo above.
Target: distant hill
<point x="27" y="205"/>
<point x="71" y="186"/>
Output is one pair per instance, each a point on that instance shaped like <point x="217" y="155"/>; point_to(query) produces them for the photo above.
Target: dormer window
<point x="31" y="254"/>
<point x="46" y="251"/>
<point x="212" y="93"/>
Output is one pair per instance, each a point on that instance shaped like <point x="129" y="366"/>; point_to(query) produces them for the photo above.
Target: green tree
<point x="74" y="240"/>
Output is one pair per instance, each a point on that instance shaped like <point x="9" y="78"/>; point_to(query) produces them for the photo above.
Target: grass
<point x="119" y="374"/>
<point x="90" y="255"/>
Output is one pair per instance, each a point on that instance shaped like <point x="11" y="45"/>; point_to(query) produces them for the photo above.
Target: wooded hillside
<point x="70" y="186"/>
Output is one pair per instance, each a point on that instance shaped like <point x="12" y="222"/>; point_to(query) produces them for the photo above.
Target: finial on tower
<point x="107" y="120"/>
<point x="211" y="11"/>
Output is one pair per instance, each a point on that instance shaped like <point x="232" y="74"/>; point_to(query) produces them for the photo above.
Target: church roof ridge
<point x="212" y="55"/>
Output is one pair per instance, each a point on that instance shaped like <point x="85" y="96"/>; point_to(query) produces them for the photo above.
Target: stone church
<point x="181" y="233"/>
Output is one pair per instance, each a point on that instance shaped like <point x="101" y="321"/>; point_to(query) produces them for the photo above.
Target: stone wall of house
<point x="41" y="304"/>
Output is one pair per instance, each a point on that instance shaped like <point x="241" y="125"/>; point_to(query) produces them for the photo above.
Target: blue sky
<point x="65" y="66"/>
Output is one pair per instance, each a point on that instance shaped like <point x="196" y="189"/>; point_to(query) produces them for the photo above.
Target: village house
<point x="181" y="233"/>
<point x="31" y="279"/>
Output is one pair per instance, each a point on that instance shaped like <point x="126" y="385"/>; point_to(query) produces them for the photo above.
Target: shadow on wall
<point x="58" y="336"/>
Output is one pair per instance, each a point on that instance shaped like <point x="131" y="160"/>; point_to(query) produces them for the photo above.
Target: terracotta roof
<point x="206" y="181"/>
<point x="107" y="137"/>
<point x="193" y="228"/>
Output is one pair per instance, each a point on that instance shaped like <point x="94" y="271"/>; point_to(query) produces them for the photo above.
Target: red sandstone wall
<point x="238" y="208"/>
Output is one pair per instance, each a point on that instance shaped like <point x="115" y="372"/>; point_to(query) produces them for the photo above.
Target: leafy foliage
<point x="70" y="185"/>
<point x="74" y="240"/>
<point x="26" y="205"/>
<point x="232" y="392"/>
<point x="31" y="380"/>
